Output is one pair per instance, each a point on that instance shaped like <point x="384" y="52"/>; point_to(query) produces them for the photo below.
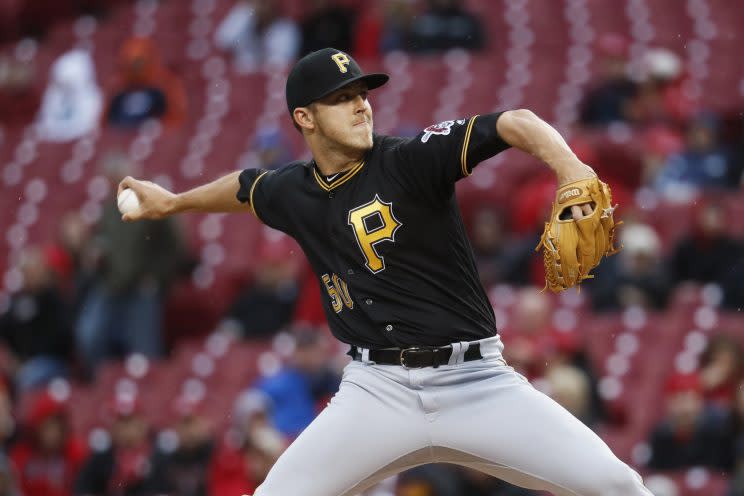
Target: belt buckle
<point x="403" y="356"/>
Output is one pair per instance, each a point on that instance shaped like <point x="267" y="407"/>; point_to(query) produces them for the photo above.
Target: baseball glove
<point x="571" y="248"/>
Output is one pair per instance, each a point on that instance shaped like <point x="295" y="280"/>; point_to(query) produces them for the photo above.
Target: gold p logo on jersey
<point x="373" y="223"/>
<point x="341" y="61"/>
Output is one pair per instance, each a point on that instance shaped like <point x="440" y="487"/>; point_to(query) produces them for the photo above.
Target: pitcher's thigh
<point x="519" y="434"/>
<point x="358" y="440"/>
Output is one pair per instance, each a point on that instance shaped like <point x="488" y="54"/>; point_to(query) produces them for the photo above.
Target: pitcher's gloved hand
<point x="580" y="231"/>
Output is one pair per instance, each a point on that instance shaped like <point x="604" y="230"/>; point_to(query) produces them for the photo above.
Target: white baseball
<point x="127" y="201"/>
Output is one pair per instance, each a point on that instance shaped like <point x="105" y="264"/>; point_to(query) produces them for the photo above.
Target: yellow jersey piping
<point x="465" y="143"/>
<point x="250" y="194"/>
<point x="341" y="180"/>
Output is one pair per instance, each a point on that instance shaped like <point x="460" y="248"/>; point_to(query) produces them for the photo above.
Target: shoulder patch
<point x="442" y="128"/>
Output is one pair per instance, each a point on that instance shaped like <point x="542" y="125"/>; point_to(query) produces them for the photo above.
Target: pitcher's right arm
<point x="157" y="202"/>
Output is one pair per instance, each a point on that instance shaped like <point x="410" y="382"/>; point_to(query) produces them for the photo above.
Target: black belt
<point x="417" y="357"/>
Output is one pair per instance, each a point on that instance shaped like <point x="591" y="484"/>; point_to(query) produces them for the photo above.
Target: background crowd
<point x="182" y="356"/>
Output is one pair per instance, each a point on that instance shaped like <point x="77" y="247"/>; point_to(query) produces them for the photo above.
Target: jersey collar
<point x="339" y="180"/>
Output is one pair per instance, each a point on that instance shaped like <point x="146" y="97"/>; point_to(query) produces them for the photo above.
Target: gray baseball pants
<point x="479" y="414"/>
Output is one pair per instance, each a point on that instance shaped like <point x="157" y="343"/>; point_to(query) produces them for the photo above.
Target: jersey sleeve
<point x="444" y="153"/>
<point x="259" y="188"/>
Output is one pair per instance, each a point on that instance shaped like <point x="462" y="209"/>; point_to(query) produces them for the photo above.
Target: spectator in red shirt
<point x="48" y="457"/>
<point x="183" y="452"/>
<point x="145" y="88"/>
<point x="721" y="369"/>
<point x="250" y="448"/>
<point x="608" y="99"/>
<point x="690" y="434"/>
<point x="120" y="463"/>
<point x="528" y="333"/>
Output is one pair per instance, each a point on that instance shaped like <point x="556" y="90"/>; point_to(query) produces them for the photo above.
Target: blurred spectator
<point x="8" y="429"/>
<point x="251" y="448"/>
<point x="532" y="207"/>
<point x="309" y="309"/>
<point x="120" y="460"/>
<point x="527" y="336"/>
<point x="366" y="35"/>
<point x="123" y="310"/>
<point x="251" y="411"/>
<point x="608" y="100"/>
<point x="8" y="478"/>
<point x="429" y="480"/>
<point x="665" y="70"/>
<point x="619" y="162"/>
<point x="499" y="258"/>
<point x="709" y="254"/>
<point x="569" y="386"/>
<point x="258" y="34"/>
<point x="532" y="343"/>
<point x="634" y="277"/>
<point x="444" y="25"/>
<point x="383" y="27"/>
<point x="64" y="253"/>
<point x="702" y="164"/>
<point x="397" y="24"/>
<point x="144" y="88"/>
<point x="734" y="446"/>
<point x="266" y="305"/>
<point x="658" y="143"/>
<point x="721" y="370"/>
<point x="327" y="24"/>
<point x="660" y="99"/>
<point x="37" y="324"/>
<point x="736" y="152"/>
<point x="72" y="103"/>
<point x="528" y="213"/>
<point x="733" y="287"/>
<point x="690" y="434"/>
<point x="475" y="483"/>
<point x="19" y="98"/>
<point x="73" y="257"/>
<point x="47" y="457"/>
<point x="270" y="149"/>
<point x="262" y="449"/>
<point x="303" y="387"/>
<point x="183" y="454"/>
<point x="533" y="346"/>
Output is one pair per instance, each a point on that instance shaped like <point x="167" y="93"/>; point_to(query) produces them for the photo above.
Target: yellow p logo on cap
<point x="341" y="61"/>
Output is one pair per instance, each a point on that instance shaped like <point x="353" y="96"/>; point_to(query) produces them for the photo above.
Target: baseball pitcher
<point x="378" y="220"/>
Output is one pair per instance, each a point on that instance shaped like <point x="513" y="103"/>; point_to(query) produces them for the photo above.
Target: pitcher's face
<point x="345" y="117"/>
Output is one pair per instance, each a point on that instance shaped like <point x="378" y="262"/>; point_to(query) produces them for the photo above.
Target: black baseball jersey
<point x="385" y="238"/>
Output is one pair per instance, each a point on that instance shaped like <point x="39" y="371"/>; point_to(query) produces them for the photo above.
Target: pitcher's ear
<point x="304" y="118"/>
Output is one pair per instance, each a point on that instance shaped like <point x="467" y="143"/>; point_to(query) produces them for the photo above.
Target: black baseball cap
<point x="320" y="73"/>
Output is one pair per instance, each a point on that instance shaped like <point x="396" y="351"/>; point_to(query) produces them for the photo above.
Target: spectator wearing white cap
<point x="72" y="103"/>
<point x="636" y="276"/>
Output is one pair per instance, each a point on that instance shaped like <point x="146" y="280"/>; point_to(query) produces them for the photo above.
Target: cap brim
<point x="374" y="80"/>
